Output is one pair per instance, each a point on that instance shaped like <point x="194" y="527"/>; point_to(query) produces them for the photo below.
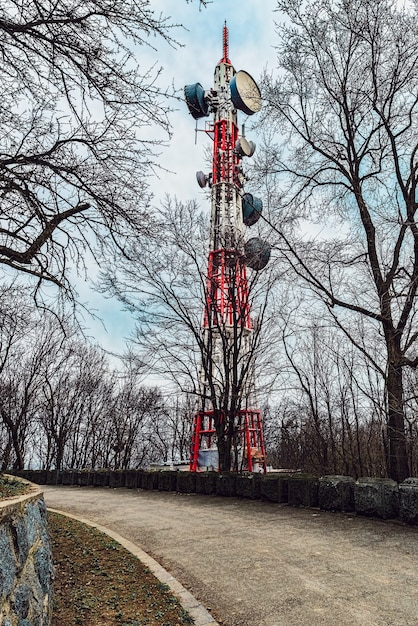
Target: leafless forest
<point x="334" y="346"/>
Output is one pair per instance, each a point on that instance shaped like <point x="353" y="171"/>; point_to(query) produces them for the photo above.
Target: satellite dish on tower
<point x="202" y="179"/>
<point x="245" y="94"/>
<point x="251" y="209"/>
<point x="257" y="253"/>
<point x="195" y="100"/>
<point x="245" y="147"/>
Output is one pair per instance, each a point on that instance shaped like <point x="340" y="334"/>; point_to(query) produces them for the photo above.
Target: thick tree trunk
<point x="397" y="461"/>
<point x="224" y="442"/>
<point x="19" y="462"/>
<point x="224" y="450"/>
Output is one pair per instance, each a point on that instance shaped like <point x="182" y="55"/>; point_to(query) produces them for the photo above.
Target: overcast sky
<point x="251" y="40"/>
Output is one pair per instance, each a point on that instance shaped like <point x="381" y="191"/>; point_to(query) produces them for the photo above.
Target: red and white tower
<point x="226" y="410"/>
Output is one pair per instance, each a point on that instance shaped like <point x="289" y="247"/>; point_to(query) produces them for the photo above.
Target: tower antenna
<point x="227" y="431"/>
<point x="225" y="58"/>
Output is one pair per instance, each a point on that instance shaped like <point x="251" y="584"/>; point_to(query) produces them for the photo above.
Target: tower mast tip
<point x="225" y="58"/>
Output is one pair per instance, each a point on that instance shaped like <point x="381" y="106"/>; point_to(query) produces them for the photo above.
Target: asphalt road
<point x="260" y="564"/>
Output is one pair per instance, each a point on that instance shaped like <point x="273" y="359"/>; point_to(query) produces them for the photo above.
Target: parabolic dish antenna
<point x="202" y="179"/>
<point x="257" y="253"/>
<point x="252" y="208"/>
<point x="244" y="147"/>
<point x="245" y="93"/>
<point x="195" y="100"/>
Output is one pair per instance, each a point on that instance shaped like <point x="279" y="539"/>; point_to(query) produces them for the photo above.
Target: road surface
<point x="259" y="564"/>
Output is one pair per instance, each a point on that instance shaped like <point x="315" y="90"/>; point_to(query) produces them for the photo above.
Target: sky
<point x="251" y="48"/>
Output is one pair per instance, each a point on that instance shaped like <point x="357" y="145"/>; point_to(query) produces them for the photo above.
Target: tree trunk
<point x="224" y="445"/>
<point x="397" y="458"/>
<point x="6" y="455"/>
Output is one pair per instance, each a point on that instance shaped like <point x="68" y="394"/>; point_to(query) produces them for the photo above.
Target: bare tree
<point x="346" y="107"/>
<point x="135" y="413"/>
<point x="27" y="343"/>
<point x="333" y="404"/>
<point x="62" y="404"/>
<point x="165" y="285"/>
<point x="170" y="432"/>
<point x="80" y="122"/>
<point x="75" y="400"/>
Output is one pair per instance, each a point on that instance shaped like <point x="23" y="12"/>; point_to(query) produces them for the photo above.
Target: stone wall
<point x="26" y="570"/>
<point x="375" y="497"/>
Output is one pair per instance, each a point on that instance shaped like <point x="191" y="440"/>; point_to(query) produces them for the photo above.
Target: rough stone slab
<point x="26" y="570"/>
<point x="131" y="480"/>
<point x="376" y="497"/>
<point x="84" y="478"/>
<point x="206" y="483"/>
<point x="150" y="481"/>
<point x="274" y="488"/>
<point x="167" y="481"/>
<point x="303" y="491"/>
<point x="186" y="482"/>
<point x="68" y="477"/>
<point x="408" y="501"/>
<point x="53" y="477"/>
<point x="226" y="485"/>
<point x="100" y="478"/>
<point x="248" y="486"/>
<point x="117" y="478"/>
<point x="336" y="493"/>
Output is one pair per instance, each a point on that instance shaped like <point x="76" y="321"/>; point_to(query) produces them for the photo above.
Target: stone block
<point x="34" y="476"/>
<point x="167" y="481"/>
<point x="26" y="570"/>
<point x="21" y="540"/>
<point x="35" y="516"/>
<point x="248" y="486"/>
<point x="408" y="501"/>
<point x="336" y="493"/>
<point x="150" y="481"/>
<point x="117" y="478"/>
<point x="21" y="601"/>
<point x="101" y="478"/>
<point x="226" y="484"/>
<point x="43" y="567"/>
<point x="7" y="563"/>
<point x="141" y="478"/>
<point x="274" y="488"/>
<point x="84" y="478"/>
<point x="131" y="479"/>
<point x="303" y="490"/>
<point x="67" y="477"/>
<point x="53" y="477"/>
<point x="376" y="497"/>
<point x="186" y="482"/>
<point x="206" y="483"/>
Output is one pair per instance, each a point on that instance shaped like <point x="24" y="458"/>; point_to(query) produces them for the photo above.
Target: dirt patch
<point x="97" y="582"/>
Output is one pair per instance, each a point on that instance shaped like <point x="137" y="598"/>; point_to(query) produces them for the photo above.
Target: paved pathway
<point x="260" y="564"/>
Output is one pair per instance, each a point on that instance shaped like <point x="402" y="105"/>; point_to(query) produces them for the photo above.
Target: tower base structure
<point x="248" y="450"/>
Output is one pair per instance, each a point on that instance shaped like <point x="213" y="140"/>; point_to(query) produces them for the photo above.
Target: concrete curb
<point x="201" y="616"/>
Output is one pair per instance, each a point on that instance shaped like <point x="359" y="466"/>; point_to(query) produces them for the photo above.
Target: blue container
<point x="195" y="100"/>
<point x="257" y="253"/>
<point x="251" y="209"/>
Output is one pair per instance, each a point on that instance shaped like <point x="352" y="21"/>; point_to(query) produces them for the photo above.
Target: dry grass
<point x="99" y="583"/>
<point x="10" y="488"/>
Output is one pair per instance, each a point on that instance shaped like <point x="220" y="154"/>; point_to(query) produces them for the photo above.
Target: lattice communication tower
<point x="227" y="308"/>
